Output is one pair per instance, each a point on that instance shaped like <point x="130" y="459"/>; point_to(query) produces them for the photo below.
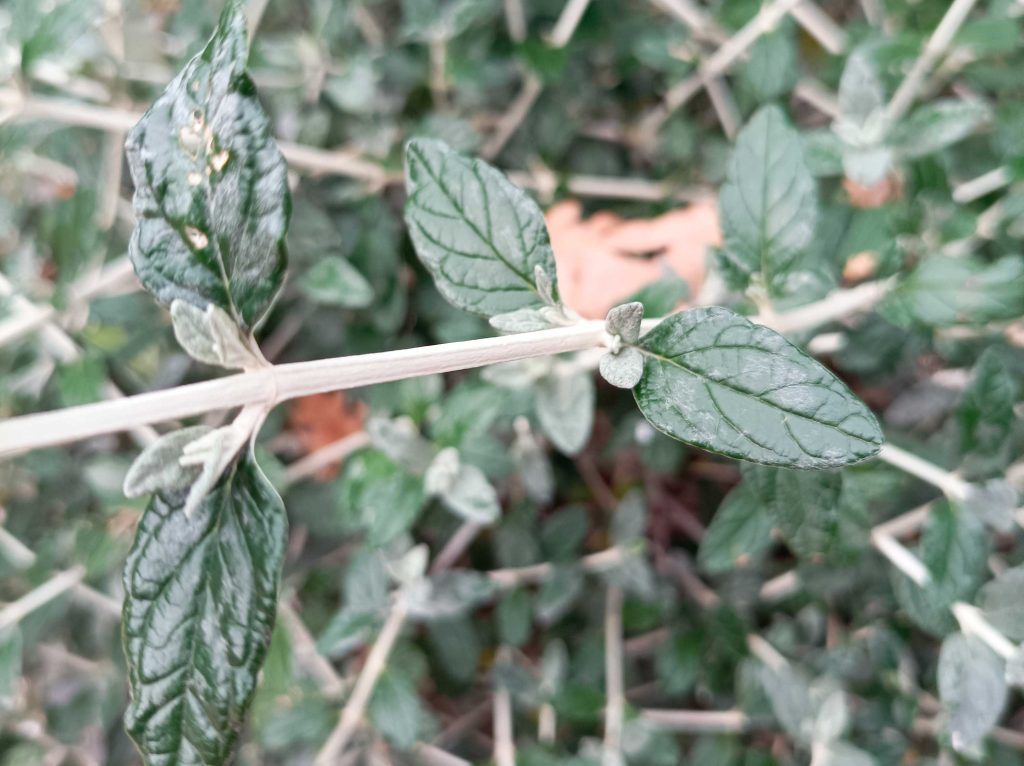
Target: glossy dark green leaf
<point x="720" y="382"/>
<point x="211" y="190"/>
<point x="944" y="291"/>
<point x="201" y="595"/>
<point x="481" y="237"/>
<point x="769" y="204"/>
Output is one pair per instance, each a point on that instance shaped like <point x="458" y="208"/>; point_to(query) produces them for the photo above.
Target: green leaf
<point x="861" y="96"/>
<point x="333" y="281"/>
<point x="455" y="646"/>
<point x="201" y="595"/>
<point x="211" y="190"/>
<point x="769" y="204"/>
<point x="565" y="408"/>
<point x="944" y="291"/>
<point x="463" y="488"/>
<point x="771" y="70"/>
<point x="972" y="688"/>
<point x="678" y="664"/>
<point x="805" y="506"/>
<point x="789" y="692"/>
<point x="1002" y="601"/>
<point x="514" y="618"/>
<point x="739" y="531"/>
<point x="954" y="548"/>
<point x="395" y="709"/>
<point x="481" y="238"/>
<point x="986" y="416"/>
<point x="715" y="380"/>
<point x="937" y="125"/>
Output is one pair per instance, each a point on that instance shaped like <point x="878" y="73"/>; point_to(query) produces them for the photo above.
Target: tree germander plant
<point x="213" y="206"/>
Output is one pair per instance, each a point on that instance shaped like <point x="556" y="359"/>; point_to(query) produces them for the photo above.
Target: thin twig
<point x="567" y="22"/>
<point x="53" y="588"/>
<point x="820" y="26"/>
<point x="993" y="180"/>
<point x="513" y="117"/>
<point x="951" y="485"/>
<point x="504" y="741"/>
<point x="615" y="703"/>
<point x="973" y="622"/>
<point x="933" y="49"/>
<point x="330" y="683"/>
<point x="697" y="721"/>
<point x="515" y="20"/>
<point x="516" y="576"/>
<point x="327" y="455"/>
<point x="352" y="714"/>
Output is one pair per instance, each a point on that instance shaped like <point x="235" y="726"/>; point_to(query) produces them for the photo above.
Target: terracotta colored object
<point x="322" y="419"/>
<point x="603" y="259"/>
<point x="867" y="197"/>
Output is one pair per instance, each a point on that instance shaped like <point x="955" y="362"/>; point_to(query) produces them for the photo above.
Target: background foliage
<point x="777" y="601"/>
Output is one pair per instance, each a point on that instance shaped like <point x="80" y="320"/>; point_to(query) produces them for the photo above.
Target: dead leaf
<point x="604" y="259"/>
<point x="867" y="197"/>
<point x="323" y="419"/>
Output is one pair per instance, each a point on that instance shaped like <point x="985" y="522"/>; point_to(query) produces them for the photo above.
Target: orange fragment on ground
<point x="604" y="259"/>
<point x="323" y="419"/>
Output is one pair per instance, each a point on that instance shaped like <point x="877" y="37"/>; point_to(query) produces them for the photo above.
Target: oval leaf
<point x="200" y="599"/>
<point x="211" y="190"/>
<point x="718" y="381"/>
<point x="481" y="237"/>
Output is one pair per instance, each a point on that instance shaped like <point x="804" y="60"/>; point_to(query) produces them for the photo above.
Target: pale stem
<point x="780" y="587"/>
<point x="817" y="95"/>
<point x="614" y="685"/>
<point x="52" y="589"/>
<point x="547" y="724"/>
<point x="352" y="714"/>
<point x="567" y="22"/>
<point x="901" y="557"/>
<point x="455" y="547"/>
<point x="935" y="47"/>
<point x="283" y="382"/>
<point x="697" y="721"/>
<point x="949" y="483"/>
<point x="304" y="647"/>
<point x="431" y="755"/>
<point x="515" y="20"/>
<point x="22" y="557"/>
<point x="973" y="622"/>
<point x="438" y="70"/>
<point x="514" y="577"/>
<point x="765" y="652"/>
<point x="504" y="743"/>
<point x="984" y="184"/>
<point x="820" y="26"/>
<point x="513" y="117"/>
<point x="613" y="188"/>
<point x="111" y="278"/>
<point x="691" y="14"/>
<point x="724" y="105"/>
<point x="327" y="455"/>
<point x="276" y="384"/>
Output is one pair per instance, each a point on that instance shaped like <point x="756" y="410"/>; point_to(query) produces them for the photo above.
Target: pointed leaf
<point x="480" y="236"/>
<point x="720" y="382"/>
<point x="211" y="191"/>
<point x="565" y="409"/>
<point x="201" y="596"/>
<point x="768" y="204"/>
<point x="972" y="688"/>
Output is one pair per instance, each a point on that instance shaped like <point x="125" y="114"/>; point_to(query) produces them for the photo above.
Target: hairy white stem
<point x="273" y="385"/>
<point x="951" y="485"/>
<point x="306" y="654"/>
<point x="515" y="20"/>
<point x="430" y="755"/>
<point x="352" y="714"/>
<point x="973" y="622"/>
<point x="695" y="17"/>
<point x="52" y="589"/>
<point x="567" y="22"/>
<point x="308" y="158"/>
<point x="901" y="557"/>
<point x="724" y="105"/>
<point x="614" y="686"/>
<point x="504" y="742"/>
<point x="935" y="47"/>
<point x="817" y="95"/>
<point x="984" y="184"/>
<point x="765" y="652"/>
<point x="697" y="721"/>
<point x="513" y="117"/>
<point x="547" y="724"/>
<point x="327" y="455"/>
<point x="455" y="547"/>
<point x="820" y="26"/>
<point x="30" y="317"/>
<point x="595" y="562"/>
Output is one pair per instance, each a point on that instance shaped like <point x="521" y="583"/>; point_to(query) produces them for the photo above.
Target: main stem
<point x="287" y="381"/>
